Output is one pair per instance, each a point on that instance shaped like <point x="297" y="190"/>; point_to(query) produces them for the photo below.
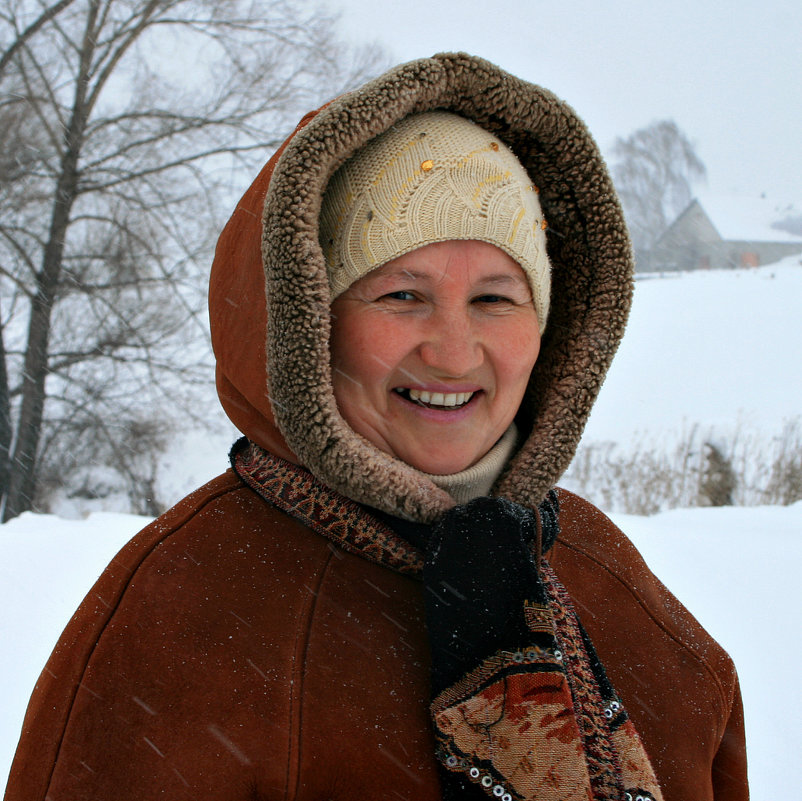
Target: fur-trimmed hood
<point x="273" y="368"/>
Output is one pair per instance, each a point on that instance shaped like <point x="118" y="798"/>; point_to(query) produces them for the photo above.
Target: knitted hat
<point x="432" y="177"/>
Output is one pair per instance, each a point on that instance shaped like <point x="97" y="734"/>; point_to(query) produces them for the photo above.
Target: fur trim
<point x="591" y="278"/>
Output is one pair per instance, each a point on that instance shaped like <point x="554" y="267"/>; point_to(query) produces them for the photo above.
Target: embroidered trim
<point x="494" y="668"/>
<point x="603" y="765"/>
<point x="538" y="618"/>
<point x="298" y="493"/>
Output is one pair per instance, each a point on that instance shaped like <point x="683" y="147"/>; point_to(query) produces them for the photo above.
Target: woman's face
<point x="432" y="352"/>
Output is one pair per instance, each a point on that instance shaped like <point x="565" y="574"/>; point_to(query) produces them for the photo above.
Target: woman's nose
<point x="450" y="345"/>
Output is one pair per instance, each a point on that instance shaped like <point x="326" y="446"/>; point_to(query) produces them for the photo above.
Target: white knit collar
<point x="477" y="480"/>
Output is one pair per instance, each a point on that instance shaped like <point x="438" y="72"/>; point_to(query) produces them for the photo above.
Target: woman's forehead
<point x="469" y="261"/>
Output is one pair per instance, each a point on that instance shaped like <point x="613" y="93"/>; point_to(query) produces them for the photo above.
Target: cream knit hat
<point x="430" y="178"/>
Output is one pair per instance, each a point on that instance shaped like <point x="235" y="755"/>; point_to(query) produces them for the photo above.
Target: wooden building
<point x="726" y="232"/>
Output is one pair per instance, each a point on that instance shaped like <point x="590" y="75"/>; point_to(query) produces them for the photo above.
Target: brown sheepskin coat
<point x="231" y="652"/>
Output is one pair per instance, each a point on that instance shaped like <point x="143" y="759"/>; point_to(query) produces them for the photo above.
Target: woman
<point x="380" y="599"/>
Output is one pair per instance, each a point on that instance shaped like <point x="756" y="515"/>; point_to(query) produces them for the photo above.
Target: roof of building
<point x="750" y="219"/>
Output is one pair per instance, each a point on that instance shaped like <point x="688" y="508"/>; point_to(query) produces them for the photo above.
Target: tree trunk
<point x="22" y="483"/>
<point x="22" y="468"/>
<point x="5" y="420"/>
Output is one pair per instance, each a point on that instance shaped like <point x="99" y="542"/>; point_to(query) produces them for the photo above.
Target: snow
<point x="719" y="348"/>
<point x="714" y="349"/>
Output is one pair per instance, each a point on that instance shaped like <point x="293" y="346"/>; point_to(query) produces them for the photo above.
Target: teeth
<point x="440" y="398"/>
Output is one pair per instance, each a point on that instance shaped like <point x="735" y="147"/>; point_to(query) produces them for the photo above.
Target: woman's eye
<point x="400" y="295"/>
<point x="492" y="299"/>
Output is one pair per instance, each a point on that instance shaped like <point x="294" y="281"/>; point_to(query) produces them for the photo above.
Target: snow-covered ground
<point x="720" y="348"/>
<point x="716" y="349"/>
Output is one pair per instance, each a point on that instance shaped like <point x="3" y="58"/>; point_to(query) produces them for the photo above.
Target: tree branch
<point x="22" y="38"/>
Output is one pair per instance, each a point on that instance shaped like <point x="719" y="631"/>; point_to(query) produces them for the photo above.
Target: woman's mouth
<point x="435" y="400"/>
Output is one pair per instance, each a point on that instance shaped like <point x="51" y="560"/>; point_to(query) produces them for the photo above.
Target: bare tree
<point x="125" y="124"/>
<point x="654" y="170"/>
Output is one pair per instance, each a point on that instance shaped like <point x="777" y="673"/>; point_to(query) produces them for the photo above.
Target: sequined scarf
<point x="534" y="717"/>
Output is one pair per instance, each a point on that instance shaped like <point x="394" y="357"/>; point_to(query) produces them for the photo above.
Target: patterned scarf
<point x="522" y="707"/>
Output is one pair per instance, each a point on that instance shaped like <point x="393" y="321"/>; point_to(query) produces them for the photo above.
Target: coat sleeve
<point x="152" y="689"/>
<point x="730" y="781"/>
<point x="61" y="684"/>
<point x="678" y="684"/>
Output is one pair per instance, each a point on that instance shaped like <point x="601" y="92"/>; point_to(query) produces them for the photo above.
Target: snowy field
<point x="721" y="350"/>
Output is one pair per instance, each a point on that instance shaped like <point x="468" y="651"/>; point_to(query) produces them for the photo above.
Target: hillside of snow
<point x="720" y="348"/>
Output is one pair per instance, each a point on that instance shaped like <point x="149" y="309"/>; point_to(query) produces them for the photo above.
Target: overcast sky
<point x="729" y="72"/>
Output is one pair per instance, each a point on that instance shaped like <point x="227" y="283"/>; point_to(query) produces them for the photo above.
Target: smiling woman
<point x="432" y="353"/>
<point x="382" y="597"/>
<point x="436" y="255"/>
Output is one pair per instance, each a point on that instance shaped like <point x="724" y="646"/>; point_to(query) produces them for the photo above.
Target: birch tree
<point x="653" y="171"/>
<point x="127" y="125"/>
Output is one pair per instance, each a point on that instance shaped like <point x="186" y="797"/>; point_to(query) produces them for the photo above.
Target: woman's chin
<point x="439" y="465"/>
